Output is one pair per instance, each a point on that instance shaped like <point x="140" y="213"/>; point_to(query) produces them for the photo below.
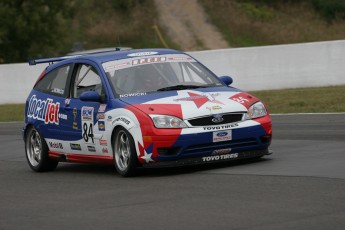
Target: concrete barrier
<point x="281" y="66"/>
<point x="256" y="68"/>
<point x="17" y="80"/>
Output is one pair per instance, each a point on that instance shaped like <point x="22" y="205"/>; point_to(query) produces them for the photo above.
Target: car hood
<point x="192" y="103"/>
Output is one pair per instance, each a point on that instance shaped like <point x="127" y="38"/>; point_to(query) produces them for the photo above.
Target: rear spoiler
<point x="50" y="60"/>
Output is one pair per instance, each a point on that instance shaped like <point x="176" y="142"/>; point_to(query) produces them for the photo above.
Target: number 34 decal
<point x="88" y="132"/>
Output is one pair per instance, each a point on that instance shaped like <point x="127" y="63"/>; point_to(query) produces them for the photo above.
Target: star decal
<point x="200" y="100"/>
<point x="147" y="153"/>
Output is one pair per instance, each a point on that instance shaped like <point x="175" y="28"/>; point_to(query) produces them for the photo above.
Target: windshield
<point x="158" y="73"/>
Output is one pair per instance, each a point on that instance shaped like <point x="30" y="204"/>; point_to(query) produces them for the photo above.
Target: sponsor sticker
<point x="55" y="145"/>
<point x="241" y="100"/>
<point x="75" y="113"/>
<point x="101" y="125"/>
<point x="101" y="108"/>
<point x="91" y="148"/>
<point x="75" y="146"/>
<point x="216" y="107"/>
<point x="100" y="116"/>
<point x="103" y="142"/>
<point x="86" y="113"/>
<point x="244" y="99"/>
<point x="44" y="110"/>
<point x="148" y="60"/>
<point x="58" y="91"/>
<point x="117" y="66"/>
<point x="220" y="157"/>
<point x="67" y="101"/>
<point x="141" y="54"/>
<point x="225" y="135"/>
<point x="220" y="127"/>
<point x="104" y="150"/>
<point x="123" y="119"/>
<point x="181" y="59"/>
<point x="63" y="116"/>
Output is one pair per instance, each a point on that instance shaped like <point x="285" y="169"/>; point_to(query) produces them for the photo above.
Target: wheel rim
<point x="122" y="150"/>
<point x="34" y="148"/>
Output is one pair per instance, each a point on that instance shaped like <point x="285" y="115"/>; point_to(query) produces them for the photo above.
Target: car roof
<point x="116" y="55"/>
<point x="101" y="57"/>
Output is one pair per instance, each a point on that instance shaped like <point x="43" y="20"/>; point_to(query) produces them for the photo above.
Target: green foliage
<point x="44" y="28"/>
<point x="267" y="22"/>
<point x="260" y="12"/>
<point x="30" y="26"/>
<point x="125" y="5"/>
<point x="330" y="9"/>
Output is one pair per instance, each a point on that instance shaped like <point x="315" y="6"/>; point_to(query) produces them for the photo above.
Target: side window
<point x="86" y="79"/>
<point x="55" y="82"/>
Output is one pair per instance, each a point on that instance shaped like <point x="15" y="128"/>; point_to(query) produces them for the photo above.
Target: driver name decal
<point x="132" y="94"/>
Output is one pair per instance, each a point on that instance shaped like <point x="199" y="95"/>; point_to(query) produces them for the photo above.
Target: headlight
<point x="163" y="121"/>
<point x="256" y="110"/>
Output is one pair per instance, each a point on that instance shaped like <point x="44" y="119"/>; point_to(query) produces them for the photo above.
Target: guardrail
<point x="255" y="68"/>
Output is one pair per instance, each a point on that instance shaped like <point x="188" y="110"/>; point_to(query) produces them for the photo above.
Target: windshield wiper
<point x="179" y="87"/>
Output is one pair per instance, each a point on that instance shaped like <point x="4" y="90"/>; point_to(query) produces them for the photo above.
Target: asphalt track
<point x="300" y="186"/>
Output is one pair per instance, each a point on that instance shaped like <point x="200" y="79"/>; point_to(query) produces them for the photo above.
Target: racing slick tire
<point x="125" y="155"/>
<point x="36" y="150"/>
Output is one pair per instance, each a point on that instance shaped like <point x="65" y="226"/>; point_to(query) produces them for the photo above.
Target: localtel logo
<point x="44" y="110"/>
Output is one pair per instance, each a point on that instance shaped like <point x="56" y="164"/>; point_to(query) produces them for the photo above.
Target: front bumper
<point x="211" y="159"/>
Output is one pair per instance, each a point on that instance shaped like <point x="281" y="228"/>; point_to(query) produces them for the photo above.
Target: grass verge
<point x="304" y="100"/>
<point x="12" y="112"/>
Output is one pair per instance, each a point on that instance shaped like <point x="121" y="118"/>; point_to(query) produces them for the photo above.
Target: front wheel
<point x="37" y="152"/>
<point x="126" y="161"/>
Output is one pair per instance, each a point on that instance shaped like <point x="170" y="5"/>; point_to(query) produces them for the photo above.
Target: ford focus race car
<point x="151" y="107"/>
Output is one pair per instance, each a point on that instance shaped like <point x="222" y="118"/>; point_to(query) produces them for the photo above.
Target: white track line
<point x="293" y="114"/>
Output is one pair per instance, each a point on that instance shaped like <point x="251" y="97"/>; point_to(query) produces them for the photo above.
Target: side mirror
<point x="226" y="79"/>
<point x="90" y="96"/>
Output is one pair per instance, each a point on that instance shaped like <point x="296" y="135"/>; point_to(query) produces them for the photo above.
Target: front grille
<point x="204" y="148"/>
<point x="227" y="118"/>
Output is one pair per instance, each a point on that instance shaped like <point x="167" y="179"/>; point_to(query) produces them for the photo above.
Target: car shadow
<point x="77" y="168"/>
<point x="189" y="169"/>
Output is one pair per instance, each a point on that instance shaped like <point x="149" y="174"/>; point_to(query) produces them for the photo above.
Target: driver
<point x="150" y="79"/>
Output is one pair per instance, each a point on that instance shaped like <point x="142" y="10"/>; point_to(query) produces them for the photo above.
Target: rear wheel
<point x="37" y="152"/>
<point x="126" y="161"/>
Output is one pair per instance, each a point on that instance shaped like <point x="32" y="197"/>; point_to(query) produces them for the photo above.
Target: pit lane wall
<point x="256" y="68"/>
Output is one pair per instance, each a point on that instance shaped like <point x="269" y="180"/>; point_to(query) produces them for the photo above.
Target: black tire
<point x="125" y="154"/>
<point x="36" y="151"/>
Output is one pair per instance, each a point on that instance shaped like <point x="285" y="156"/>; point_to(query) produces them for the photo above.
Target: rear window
<point x="55" y="82"/>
